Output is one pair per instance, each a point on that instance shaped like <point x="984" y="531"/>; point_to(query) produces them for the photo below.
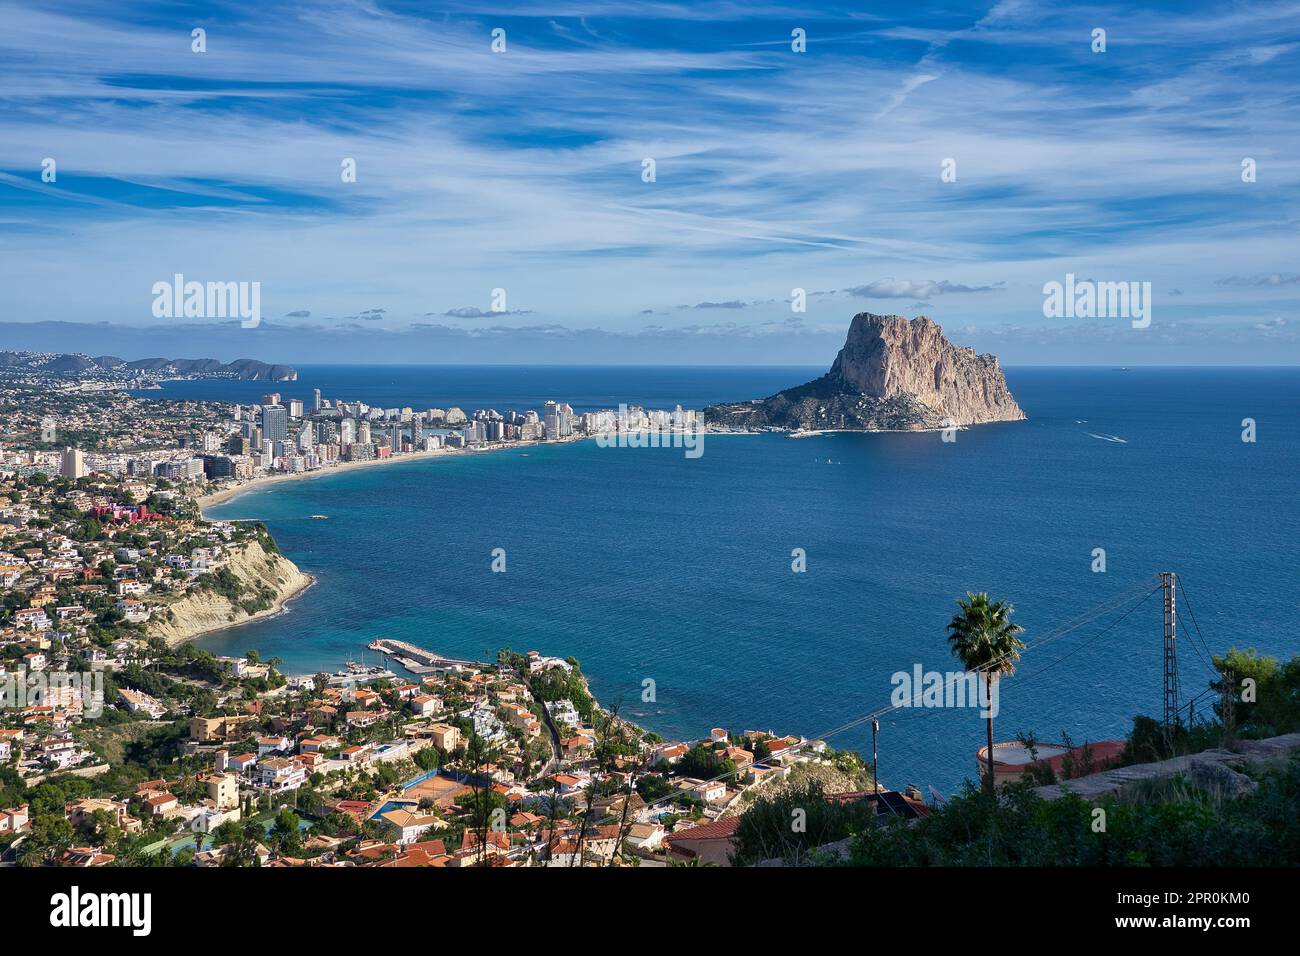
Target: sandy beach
<point x="229" y="492"/>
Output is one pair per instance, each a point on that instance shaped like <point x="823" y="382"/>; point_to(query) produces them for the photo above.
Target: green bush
<point x="1179" y="825"/>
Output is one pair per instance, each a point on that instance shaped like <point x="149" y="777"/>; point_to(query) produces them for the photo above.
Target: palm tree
<point x="478" y="754"/>
<point x="983" y="638"/>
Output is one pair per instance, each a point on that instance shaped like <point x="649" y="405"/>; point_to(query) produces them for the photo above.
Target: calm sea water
<point x="644" y="564"/>
<point x="505" y="387"/>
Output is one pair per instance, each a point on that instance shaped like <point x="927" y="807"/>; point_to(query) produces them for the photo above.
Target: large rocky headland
<point x="893" y="374"/>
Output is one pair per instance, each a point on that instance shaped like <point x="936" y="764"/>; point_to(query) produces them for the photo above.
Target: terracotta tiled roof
<point x="717" y="830"/>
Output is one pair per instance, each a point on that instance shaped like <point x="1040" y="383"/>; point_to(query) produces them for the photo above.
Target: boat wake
<point x="1114" y="438"/>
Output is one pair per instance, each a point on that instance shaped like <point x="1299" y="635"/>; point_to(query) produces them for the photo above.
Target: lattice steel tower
<point x="1171" y="651"/>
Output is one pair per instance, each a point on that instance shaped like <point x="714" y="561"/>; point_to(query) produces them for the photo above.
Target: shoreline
<point x="279" y="606"/>
<point x="229" y="493"/>
<point x="201" y="614"/>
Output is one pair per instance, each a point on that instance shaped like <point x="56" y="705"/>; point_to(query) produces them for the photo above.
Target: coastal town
<point x="828" y="447"/>
<point x="123" y="744"/>
<point x="73" y="416"/>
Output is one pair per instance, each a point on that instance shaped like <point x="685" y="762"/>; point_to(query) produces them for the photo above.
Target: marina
<point x="417" y="660"/>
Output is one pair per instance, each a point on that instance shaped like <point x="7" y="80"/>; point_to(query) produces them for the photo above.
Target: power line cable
<point x="1208" y="657"/>
<point x="1052" y="637"/>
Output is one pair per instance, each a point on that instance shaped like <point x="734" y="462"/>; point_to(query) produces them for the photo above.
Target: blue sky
<point x="775" y="170"/>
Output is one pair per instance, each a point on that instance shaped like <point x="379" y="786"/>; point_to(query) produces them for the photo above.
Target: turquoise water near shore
<point x="645" y="564"/>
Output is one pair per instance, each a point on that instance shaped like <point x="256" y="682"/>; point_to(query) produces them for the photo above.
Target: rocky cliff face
<point x="892" y="374"/>
<point x="204" y="611"/>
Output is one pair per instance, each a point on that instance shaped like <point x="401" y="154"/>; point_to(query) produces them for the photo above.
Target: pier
<point x="417" y="660"/>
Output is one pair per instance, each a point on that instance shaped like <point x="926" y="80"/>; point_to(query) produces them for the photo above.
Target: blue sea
<point x="647" y="565"/>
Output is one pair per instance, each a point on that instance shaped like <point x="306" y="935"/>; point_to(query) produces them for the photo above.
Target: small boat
<point x="319" y="517"/>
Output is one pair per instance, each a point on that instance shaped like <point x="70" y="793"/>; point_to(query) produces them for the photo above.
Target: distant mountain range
<point x="73" y="363"/>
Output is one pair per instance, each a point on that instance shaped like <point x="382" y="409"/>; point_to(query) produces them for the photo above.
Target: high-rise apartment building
<point x="551" y="420"/>
<point x="73" y="464"/>
<point x="275" y="423"/>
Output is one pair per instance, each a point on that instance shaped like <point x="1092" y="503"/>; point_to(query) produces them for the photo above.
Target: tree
<point x="50" y="835"/>
<point x="227" y="833"/>
<point x="243" y="851"/>
<point x="705" y="763"/>
<point x="767" y="829"/>
<point x="286" y="830"/>
<point x="426" y="759"/>
<point x="983" y="638"/>
<point x="478" y="754"/>
<point x="609" y="733"/>
<point x="641" y="767"/>
<point x="1265" y="693"/>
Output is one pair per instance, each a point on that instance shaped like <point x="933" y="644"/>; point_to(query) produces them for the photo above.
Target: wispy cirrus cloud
<point x="775" y="170"/>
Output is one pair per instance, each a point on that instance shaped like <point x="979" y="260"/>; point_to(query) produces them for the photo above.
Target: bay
<point x="647" y="565"/>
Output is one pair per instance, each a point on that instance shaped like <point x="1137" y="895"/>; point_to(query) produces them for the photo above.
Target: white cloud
<point x="774" y="171"/>
<point x="913" y="289"/>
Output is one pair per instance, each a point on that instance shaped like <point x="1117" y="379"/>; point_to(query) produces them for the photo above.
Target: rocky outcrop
<point x="261" y="573"/>
<point x="893" y="374"/>
<point x="1198" y="768"/>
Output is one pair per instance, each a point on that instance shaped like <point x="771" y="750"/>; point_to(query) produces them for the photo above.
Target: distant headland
<point x="248" y="370"/>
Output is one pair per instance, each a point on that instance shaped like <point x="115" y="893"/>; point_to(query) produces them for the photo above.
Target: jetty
<point x="417" y="660"/>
